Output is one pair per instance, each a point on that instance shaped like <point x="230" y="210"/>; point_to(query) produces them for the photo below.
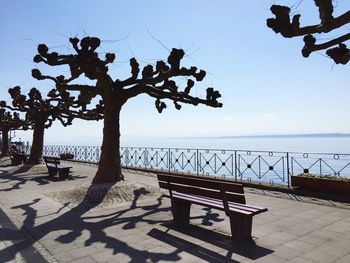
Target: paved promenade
<point x="45" y="220"/>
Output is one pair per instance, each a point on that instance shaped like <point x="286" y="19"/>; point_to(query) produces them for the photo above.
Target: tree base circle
<point x="97" y="192"/>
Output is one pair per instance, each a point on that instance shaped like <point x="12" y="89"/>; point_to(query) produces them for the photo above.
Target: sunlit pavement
<point x="35" y="227"/>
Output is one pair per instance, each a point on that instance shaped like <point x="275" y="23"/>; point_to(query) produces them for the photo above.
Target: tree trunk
<point x="109" y="169"/>
<point x="5" y="142"/>
<point x="38" y="143"/>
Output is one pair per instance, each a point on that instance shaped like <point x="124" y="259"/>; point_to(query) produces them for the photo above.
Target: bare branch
<point x="310" y="45"/>
<point x="282" y="23"/>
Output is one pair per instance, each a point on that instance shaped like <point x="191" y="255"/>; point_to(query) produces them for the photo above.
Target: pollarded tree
<point x="156" y="81"/>
<point x="290" y="27"/>
<point x="42" y="112"/>
<point x="8" y="122"/>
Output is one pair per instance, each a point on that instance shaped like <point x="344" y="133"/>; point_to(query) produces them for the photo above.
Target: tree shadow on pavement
<point x="5" y="161"/>
<point x="75" y="223"/>
<point x="21" y="177"/>
<point x="110" y="230"/>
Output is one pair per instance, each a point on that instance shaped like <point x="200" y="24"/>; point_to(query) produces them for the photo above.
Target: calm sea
<point x="285" y="144"/>
<point x="290" y="144"/>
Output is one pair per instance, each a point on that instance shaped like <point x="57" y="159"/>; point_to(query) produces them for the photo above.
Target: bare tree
<point x="289" y="27"/>
<point x="10" y="121"/>
<point x="156" y="81"/>
<point x="42" y="112"/>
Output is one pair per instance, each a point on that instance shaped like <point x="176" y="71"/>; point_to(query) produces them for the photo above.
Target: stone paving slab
<point x="295" y="229"/>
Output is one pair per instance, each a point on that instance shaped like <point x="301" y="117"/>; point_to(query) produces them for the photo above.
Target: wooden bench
<point x="213" y="193"/>
<point x="17" y="159"/>
<point x="54" y="166"/>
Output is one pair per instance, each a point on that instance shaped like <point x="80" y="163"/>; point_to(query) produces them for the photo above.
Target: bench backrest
<point x="53" y="160"/>
<point x="196" y="185"/>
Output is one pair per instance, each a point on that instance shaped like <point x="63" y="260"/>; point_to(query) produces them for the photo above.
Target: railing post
<point x="197" y="161"/>
<point x="97" y="154"/>
<point x="145" y="158"/>
<point x="259" y="166"/>
<point x="288" y="174"/>
<point x="169" y="161"/>
<point x="126" y="152"/>
<point x="235" y="166"/>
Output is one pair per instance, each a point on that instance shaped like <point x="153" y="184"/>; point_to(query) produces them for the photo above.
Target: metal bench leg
<point x="181" y="211"/>
<point x="241" y="227"/>
<point x="63" y="173"/>
<point x="52" y="171"/>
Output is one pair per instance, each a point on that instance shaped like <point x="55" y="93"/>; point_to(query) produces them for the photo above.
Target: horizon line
<point x="293" y="135"/>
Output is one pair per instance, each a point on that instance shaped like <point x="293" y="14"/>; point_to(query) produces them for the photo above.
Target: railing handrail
<point x="211" y="149"/>
<point x="263" y="166"/>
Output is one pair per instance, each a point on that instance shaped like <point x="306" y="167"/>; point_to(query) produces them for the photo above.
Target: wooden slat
<point x="209" y="203"/>
<point x="200" y="182"/>
<point x="254" y="211"/>
<point x="59" y="166"/>
<point x="232" y="206"/>
<point x="233" y="197"/>
<point x="203" y="177"/>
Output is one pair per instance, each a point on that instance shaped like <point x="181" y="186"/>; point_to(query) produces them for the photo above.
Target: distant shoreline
<point x="272" y="136"/>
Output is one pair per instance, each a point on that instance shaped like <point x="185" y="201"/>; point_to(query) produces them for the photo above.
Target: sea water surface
<point x="339" y="145"/>
<point x="325" y="144"/>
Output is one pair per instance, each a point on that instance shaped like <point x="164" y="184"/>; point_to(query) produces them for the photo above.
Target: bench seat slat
<point x="233" y="207"/>
<point x="255" y="210"/>
<point x="58" y="166"/>
<point x="206" y="202"/>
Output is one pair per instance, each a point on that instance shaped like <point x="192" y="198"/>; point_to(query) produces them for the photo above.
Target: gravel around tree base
<point x="118" y="194"/>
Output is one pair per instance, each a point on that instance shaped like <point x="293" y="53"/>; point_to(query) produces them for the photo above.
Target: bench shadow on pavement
<point x="247" y="249"/>
<point x="74" y="221"/>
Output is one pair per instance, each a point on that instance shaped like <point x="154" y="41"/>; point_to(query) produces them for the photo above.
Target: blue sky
<point x="267" y="87"/>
